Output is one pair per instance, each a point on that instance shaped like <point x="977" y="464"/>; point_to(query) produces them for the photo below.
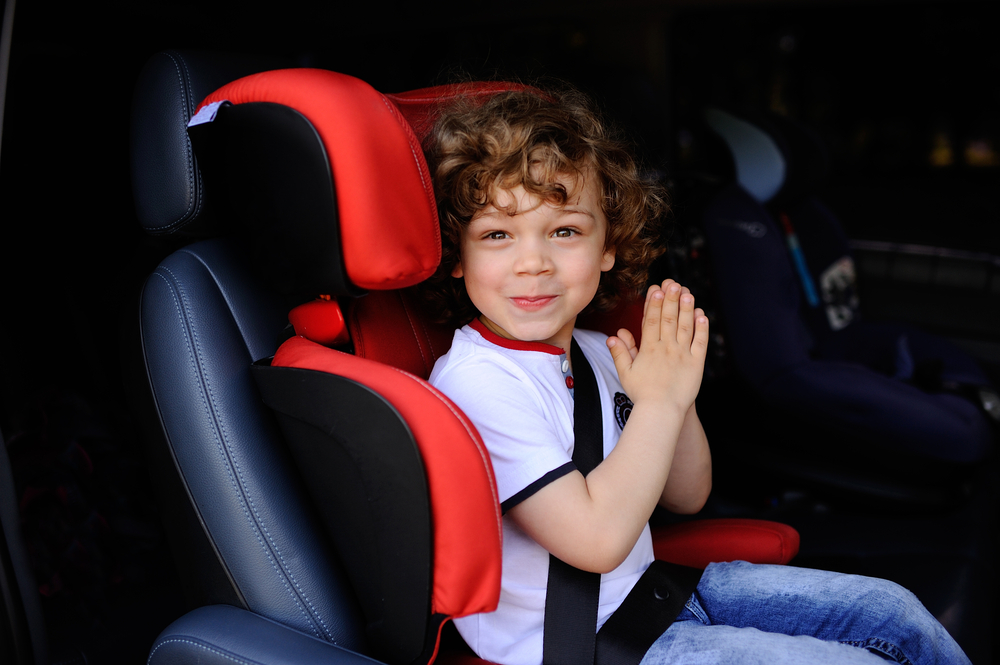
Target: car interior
<point x="219" y="443"/>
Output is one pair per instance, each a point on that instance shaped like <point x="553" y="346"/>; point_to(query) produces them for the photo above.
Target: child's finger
<point x="620" y="354"/>
<point x="668" y="315"/>
<point x="629" y="339"/>
<point x="652" y="313"/>
<point x="685" y="320"/>
<point x="700" y="342"/>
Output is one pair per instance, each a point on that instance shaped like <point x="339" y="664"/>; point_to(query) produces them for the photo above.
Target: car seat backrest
<point x="239" y="521"/>
<point x="323" y="171"/>
<point x="785" y="272"/>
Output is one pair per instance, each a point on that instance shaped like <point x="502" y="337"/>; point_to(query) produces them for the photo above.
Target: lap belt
<point x="572" y="595"/>
<point x="648" y="610"/>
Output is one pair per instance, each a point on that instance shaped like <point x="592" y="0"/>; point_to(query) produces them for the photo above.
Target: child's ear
<point x="457" y="270"/>
<point x="607" y="260"/>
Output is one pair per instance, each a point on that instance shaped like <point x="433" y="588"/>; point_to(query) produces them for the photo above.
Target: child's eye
<point x="495" y="235"/>
<point x="565" y="233"/>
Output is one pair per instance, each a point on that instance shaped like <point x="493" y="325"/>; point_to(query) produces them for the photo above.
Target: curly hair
<point x="530" y="137"/>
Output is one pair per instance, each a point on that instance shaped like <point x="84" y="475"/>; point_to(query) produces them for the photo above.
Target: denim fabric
<point x="743" y="613"/>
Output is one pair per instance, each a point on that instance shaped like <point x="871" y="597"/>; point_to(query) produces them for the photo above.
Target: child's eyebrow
<point x="569" y="210"/>
<point x="490" y="212"/>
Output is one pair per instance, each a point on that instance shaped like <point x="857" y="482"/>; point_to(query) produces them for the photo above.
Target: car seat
<point x="786" y="287"/>
<point x="378" y="519"/>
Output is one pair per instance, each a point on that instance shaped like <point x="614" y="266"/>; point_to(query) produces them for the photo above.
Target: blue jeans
<point x="743" y="613"/>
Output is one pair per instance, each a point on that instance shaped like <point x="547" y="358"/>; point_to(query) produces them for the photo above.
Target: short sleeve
<point x="527" y="428"/>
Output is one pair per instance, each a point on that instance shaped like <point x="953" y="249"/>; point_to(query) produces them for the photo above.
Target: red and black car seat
<point x="371" y="517"/>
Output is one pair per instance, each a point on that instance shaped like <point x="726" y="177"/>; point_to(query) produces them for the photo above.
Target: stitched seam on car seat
<point x="416" y="337"/>
<point x="314" y="613"/>
<point x="186" y="101"/>
<point x="430" y="342"/>
<point x="354" y="328"/>
<point x="424" y="176"/>
<point x="224" y="291"/>
<point x="456" y="95"/>
<point x="219" y="652"/>
<point x="471" y="432"/>
<point x="192" y="104"/>
<point x="228" y="455"/>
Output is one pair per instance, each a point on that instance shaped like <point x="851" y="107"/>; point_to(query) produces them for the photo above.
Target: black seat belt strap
<point x="572" y="595"/>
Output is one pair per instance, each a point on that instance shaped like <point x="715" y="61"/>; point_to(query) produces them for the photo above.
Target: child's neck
<point x="561" y="340"/>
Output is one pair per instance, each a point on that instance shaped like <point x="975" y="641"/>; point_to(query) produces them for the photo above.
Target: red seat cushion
<point x="702" y="542"/>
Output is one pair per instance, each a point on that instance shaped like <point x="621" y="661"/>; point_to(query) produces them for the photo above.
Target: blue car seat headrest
<point x="777" y="160"/>
<point x="760" y="164"/>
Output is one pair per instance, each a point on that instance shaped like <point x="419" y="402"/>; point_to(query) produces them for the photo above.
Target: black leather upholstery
<point x="244" y="532"/>
<point x="166" y="182"/>
<point x="254" y="151"/>
<point x="361" y="464"/>
<point x="222" y="635"/>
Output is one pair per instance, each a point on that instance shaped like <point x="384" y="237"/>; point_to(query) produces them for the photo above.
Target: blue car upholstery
<point x="786" y="285"/>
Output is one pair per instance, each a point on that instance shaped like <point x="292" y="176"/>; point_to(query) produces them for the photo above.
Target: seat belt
<point x="572" y="595"/>
<point x="799" y="260"/>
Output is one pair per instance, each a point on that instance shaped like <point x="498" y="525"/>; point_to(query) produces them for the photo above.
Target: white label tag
<point x="839" y="286"/>
<point x="205" y="114"/>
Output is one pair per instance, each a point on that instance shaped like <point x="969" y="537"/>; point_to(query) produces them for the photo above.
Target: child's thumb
<point x="620" y="354"/>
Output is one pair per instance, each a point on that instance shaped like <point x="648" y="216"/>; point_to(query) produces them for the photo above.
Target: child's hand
<point x="669" y="365"/>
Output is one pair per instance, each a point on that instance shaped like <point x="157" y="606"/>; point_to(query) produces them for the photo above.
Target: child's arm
<point x="593" y="523"/>
<point x="690" y="480"/>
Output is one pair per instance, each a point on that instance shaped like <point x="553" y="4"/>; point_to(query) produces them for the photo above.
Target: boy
<point x="543" y="214"/>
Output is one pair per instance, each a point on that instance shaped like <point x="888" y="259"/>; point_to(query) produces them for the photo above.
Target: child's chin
<point x="543" y="336"/>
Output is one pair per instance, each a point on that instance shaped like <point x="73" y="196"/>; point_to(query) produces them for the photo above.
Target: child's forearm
<point x="594" y="522"/>
<point x="690" y="480"/>
<point x="627" y="486"/>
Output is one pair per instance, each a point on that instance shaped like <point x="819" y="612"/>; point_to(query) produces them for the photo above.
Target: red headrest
<point x="388" y="219"/>
<point x="388" y="230"/>
<point x="422" y="107"/>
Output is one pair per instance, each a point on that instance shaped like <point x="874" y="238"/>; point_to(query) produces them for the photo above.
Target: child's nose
<point x="533" y="258"/>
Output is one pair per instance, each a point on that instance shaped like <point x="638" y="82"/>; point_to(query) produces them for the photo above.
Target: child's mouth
<point x="532" y="303"/>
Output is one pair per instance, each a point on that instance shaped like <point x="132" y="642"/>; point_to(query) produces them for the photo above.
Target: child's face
<point x="531" y="274"/>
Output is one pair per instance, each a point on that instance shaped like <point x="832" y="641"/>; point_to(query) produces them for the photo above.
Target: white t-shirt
<point x="517" y="396"/>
